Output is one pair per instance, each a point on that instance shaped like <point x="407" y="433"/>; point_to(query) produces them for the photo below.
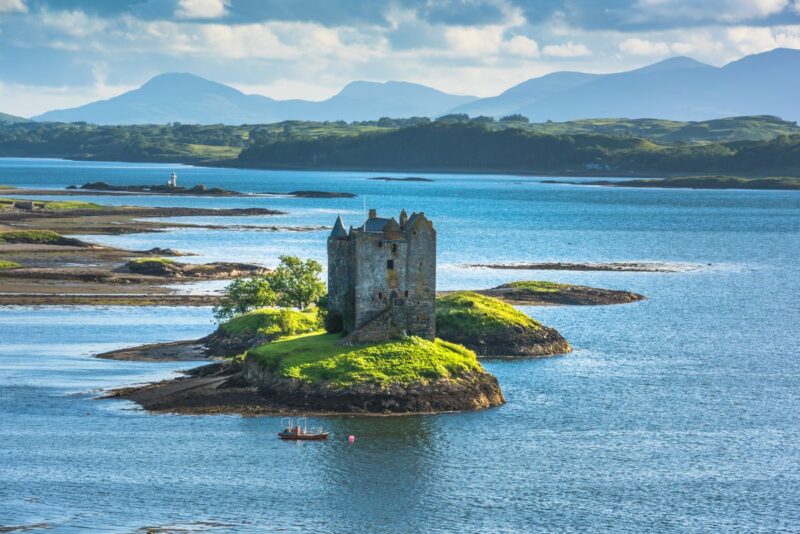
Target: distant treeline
<point x="474" y="147"/>
<point x="763" y="145"/>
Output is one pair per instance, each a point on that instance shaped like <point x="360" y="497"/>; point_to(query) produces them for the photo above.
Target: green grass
<point x="52" y="205"/>
<point x="466" y="311"/>
<point x="314" y="358"/>
<point x="39" y="237"/>
<point x="7" y="186"/>
<point x="145" y="261"/>
<point x="4" y="264"/>
<point x="69" y="205"/>
<point x="273" y="322"/>
<point x="537" y="286"/>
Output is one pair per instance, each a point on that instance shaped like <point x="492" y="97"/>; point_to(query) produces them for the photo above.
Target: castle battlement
<point x="382" y="277"/>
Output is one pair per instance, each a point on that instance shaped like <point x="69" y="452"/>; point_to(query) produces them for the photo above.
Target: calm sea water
<point x="680" y="413"/>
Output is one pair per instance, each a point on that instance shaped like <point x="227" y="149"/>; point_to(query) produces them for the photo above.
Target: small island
<point x="542" y="293"/>
<point x="406" y="179"/>
<point x="170" y="188"/>
<point x="315" y="194"/>
<point x="378" y="354"/>
<point x="493" y="328"/>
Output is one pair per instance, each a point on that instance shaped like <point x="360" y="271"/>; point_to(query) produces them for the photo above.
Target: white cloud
<point x="72" y="23"/>
<point x="727" y="11"/>
<point x="522" y="46"/>
<point x="643" y="47"/>
<point x="201" y="9"/>
<point x="568" y="49"/>
<point x="12" y="6"/>
<point x="696" y="43"/>
<point x="752" y="40"/>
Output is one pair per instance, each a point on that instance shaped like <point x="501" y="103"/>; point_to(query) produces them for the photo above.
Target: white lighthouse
<point x="173" y="180"/>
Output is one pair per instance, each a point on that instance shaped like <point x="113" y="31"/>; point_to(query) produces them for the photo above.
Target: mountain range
<point x="186" y="98"/>
<point x="678" y="88"/>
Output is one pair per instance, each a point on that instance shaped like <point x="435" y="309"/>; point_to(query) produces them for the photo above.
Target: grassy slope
<point x="317" y="357"/>
<point x="479" y="315"/>
<point x="39" y="237"/>
<point x="537" y="286"/>
<point x="272" y="321"/>
<point x="754" y="128"/>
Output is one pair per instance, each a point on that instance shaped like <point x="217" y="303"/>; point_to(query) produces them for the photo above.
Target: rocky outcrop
<point x="249" y="389"/>
<point x="210" y="271"/>
<point x="560" y="294"/>
<point x="472" y="391"/>
<point x="514" y="341"/>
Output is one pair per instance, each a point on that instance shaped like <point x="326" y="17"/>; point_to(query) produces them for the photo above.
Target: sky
<point x="62" y="53"/>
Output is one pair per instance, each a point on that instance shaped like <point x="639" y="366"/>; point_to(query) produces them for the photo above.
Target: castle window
<point x="380" y="243"/>
<point x="406" y="293"/>
<point x="380" y="296"/>
<point x="390" y="265"/>
<point x="394" y="248"/>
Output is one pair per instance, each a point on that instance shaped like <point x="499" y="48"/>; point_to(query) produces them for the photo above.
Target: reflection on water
<point x="678" y="413"/>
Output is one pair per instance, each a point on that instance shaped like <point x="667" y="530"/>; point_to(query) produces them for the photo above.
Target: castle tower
<point x="382" y="277"/>
<point x="340" y="294"/>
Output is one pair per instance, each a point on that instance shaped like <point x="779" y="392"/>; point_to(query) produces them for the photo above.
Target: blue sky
<point x="61" y="53"/>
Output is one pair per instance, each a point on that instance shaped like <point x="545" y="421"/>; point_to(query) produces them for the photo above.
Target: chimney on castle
<point x="373" y="213"/>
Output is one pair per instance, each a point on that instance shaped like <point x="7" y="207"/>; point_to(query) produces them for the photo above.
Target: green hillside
<point x="757" y="145"/>
<point x="5" y="118"/>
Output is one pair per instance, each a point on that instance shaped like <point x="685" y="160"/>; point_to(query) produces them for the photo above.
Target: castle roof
<point x="376" y="224"/>
<point x="338" y="231"/>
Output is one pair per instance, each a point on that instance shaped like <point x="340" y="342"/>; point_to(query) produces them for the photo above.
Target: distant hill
<point x="191" y="143"/>
<point x="186" y="98"/>
<point x="751" y="128"/>
<point x="677" y="89"/>
<point x="5" y="118"/>
<point x="473" y="147"/>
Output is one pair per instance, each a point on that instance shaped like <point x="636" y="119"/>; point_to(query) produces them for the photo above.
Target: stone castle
<point x="382" y="278"/>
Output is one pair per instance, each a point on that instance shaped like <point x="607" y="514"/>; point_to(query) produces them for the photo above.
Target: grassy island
<point x="491" y="327"/>
<point x="4" y="264"/>
<point x="317" y="357"/>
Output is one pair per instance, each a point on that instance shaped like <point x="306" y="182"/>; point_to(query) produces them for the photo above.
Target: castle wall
<point x="341" y="276"/>
<point x="421" y="275"/>
<point x="374" y="281"/>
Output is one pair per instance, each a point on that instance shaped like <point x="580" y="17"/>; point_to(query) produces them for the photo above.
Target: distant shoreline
<point x="223" y="164"/>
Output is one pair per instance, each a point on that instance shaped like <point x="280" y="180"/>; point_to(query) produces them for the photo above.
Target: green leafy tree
<point x="296" y="282"/>
<point x="244" y="295"/>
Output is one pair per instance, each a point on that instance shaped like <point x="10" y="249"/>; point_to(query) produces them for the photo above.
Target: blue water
<point x="676" y="414"/>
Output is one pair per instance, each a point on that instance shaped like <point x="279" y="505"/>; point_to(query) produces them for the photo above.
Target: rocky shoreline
<point x="44" y="267"/>
<point x="247" y="389"/>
